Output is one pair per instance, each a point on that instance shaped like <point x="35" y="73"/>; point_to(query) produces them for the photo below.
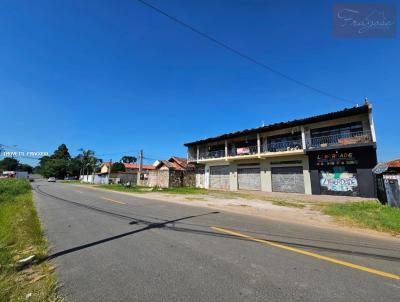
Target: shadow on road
<point x="170" y="225"/>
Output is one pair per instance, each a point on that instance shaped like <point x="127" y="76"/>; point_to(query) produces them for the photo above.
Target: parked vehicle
<point x="51" y="179"/>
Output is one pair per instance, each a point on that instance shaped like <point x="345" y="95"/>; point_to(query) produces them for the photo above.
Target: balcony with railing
<point x="264" y="146"/>
<point x="283" y="146"/>
<point x="212" y="154"/>
<point x="341" y="139"/>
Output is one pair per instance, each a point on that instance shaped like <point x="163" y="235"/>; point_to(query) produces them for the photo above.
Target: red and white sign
<point x="241" y="151"/>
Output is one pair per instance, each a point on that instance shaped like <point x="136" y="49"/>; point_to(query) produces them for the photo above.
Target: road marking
<point x="310" y="254"/>
<point x="112" y="200"/>
<point x="79" y="191"/>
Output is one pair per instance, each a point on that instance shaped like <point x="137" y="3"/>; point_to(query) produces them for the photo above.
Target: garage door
<point x="219" y="177"/>
<point x="249" y="178"/>
<point x="288" y="179"/>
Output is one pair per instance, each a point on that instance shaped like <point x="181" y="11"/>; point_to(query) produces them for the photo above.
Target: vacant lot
<point x="20" y="237"/>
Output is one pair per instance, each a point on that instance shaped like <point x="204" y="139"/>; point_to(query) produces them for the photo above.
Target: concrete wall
<point x="158" y="178"/>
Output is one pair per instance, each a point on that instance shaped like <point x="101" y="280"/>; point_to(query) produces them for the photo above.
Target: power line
<point x="115" y="153"/>
<point x="243" y="55"/>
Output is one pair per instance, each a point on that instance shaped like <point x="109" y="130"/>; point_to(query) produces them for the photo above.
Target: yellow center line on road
<point x="310" y="254"/>
<point x="113" y="200"/>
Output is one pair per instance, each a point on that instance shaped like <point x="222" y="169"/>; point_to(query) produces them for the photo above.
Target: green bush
<point x="12" y="187"/>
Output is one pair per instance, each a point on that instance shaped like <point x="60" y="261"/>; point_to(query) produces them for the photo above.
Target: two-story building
<point x="333" y="153"/>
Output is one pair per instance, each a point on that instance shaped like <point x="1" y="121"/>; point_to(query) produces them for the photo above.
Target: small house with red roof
<point x="388" y="182"/>
<point x="171" y="173"/>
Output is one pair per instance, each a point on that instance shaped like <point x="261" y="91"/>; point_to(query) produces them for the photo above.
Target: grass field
<point x="21" y="236"/>
<point x="369" y="214"/>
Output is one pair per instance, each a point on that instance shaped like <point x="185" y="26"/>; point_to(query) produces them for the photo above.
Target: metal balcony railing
<point x="350" y="138"/>
<point x="212" y="154"/>
<point x="283" y="146"/>
<point x="249" y="150"/>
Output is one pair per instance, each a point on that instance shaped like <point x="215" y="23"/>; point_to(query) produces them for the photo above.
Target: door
<point x="249" y="178"/>
<point x="288" y="179"/>
<point x="219" y="177"/>
<point x="393" y="192"/>
<point x="200" y="177"/>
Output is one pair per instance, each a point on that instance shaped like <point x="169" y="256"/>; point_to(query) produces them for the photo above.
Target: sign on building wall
<point x="242" y="151"/>
<point x="339" y="180"/>
<point x="335" y="159"/>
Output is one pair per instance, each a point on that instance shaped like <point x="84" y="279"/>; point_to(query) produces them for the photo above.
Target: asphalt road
<point x="113" y="247"/>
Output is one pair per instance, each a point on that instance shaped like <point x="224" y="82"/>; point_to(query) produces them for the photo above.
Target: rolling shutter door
<point x="219" y="177"/>
<point x="288" y="179"/>
<point x="249" y="178"/>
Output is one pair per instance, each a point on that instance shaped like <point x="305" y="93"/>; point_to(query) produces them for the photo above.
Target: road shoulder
<point x="257" y="208"/>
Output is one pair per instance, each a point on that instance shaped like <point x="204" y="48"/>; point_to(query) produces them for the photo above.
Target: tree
<point x="55" y="168"/>
<point x="60" y="164"/>
<point x="25" y="168"/>
<point x="61" y="153"/>
<point x="128" y="159"/>
<point x="88" y="161"/>
<point x="9" y="164"/>
<point x="74" y="167"/>
<point x="117" y="167"/>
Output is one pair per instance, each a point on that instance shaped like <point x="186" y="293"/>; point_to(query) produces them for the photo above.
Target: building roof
<point x="293" y="123"/>
<point x="133" y="166"/>
<point x="175" y="163"/>
<point x="394" y="163"/>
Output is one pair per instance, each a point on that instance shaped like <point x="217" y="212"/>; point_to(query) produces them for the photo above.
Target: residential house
<point x="332" y="153"/>
<point x="174" y="172"/>
<point x="129" y="175"/>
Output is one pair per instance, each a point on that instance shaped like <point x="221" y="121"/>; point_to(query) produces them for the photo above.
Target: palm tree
<point x="87" y="159"/>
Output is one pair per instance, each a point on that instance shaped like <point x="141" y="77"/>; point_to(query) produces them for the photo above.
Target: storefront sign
<point x="336" y="159"/>
<point x="339" y="180"/>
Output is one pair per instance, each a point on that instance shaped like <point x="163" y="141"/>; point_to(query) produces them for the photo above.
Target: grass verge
<point x="21" y="236"/>
<point x="70" y="181"/>
<point x="368" y="214"/>
<point x="138" y="189"/>
<point x="284" y="203"/>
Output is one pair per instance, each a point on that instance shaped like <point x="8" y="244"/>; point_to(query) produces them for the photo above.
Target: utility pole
<point x="140" y="167"/>
<point x="141" y="161"/>
<point x="109" y="171"/>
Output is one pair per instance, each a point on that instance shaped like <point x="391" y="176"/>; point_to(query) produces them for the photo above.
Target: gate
<point x="219" y="177"/>
<point x="249" y="178"/>
<point x="288" y="179"/>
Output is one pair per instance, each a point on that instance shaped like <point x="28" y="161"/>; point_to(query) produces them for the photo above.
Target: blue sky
<point x="115" y="76"/>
